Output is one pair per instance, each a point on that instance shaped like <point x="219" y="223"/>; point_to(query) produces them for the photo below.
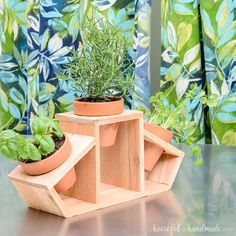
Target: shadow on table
<point x="139" y="217"/>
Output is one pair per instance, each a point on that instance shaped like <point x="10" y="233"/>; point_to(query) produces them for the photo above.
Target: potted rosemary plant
<point x="170" y="119"/>
<point x="41" y="153"/>
<point x="100" y="75"/>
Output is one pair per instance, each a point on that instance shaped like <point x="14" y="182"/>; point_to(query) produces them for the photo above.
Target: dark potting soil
<point x="104" y="99"/>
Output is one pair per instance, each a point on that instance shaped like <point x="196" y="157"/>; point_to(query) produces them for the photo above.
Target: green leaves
<point x="45" y="38"/>
<point x="191" y="54"/>
<point x="226" y="118"/>
<point x="184" y="33"/>
<point x="174" y="72"/>
<point x="46" y="91"/>
<point x="27" y="150"/>
<point x="226" y="112"/>
<point x="46" y="144"/>
<point x="176" y="116"/>
<point x="103" y="4"/>
<point x="172" y="38"/>
<point x="46" y="126"/>
<point x="16" y="96"/>
<point x="73" y="26"/>
<point x="195" y="151"/>
<point x="16" y="147"/>
<point x="208" y="28"/>
<point x="223" y="14"/>
<point x="53" y="127"/>
<point x="14" y="110"/>
<point x="183" y="9"/>
<point x="38" y="126"/>
<point x="213" y="100"/>
<point x="7" y="77"/>
<point x="9" y="151"/>
<point x="100" y="67"/>
<point x="9" y="145"/>
<point x="198" y="162"/>
<point x="229" y="137"/>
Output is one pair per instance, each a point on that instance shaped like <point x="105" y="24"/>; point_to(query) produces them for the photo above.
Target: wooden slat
<point x="117" y="195"/>
<point x="155" y="187"/>
<point x="41" y="199"/>
<point x="87" y="185"/>
<point x="77" y="128"/>
<point x="136" y="154"/>
<point x="80" y="146"/>
<point x="110" y="196"/>
<point x="122" y="163"/>
<point x="125" y="116"/>
<point x="167" y="147"/>
<point x="166" y="169"/>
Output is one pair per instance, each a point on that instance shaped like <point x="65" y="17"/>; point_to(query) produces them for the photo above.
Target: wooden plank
<point x="125" y="116"/>
<point x="136" y="154"/>
<point x="77" y="207"/>
<point x="166" y="169"/>
<point x="167" y="147"/>
<point x="77" y="128"/>
<point x="87" y="185"/>
<point x="155" y="187"/>
<point x="111" y="196"/>
<point x="114" y="161"/>
<point x="80" y="146"/>
<point x="41" y="199"/>
<point x="117" y="195"/>
<point x="69" y="127"/>
<point x="122" y="163"/>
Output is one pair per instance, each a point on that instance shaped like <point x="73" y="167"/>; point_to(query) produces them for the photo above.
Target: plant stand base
<point x="105" y="176"/>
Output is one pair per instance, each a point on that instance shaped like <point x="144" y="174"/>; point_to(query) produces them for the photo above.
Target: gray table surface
<point x="202" y="200"/>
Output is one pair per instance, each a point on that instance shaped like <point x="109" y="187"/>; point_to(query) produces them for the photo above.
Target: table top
<point x="202" y="200"/>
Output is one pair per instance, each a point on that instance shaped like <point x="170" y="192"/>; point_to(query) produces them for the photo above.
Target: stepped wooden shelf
<point x="105" y="175"/>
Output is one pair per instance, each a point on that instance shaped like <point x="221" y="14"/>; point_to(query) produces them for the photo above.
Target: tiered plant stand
<point x="105" y="175"/>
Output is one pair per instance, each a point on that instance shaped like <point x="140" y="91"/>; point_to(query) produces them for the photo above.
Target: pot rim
<point x="158" y="126"/>
<point x="112" y="102"/>
<point x="50" y="157"/>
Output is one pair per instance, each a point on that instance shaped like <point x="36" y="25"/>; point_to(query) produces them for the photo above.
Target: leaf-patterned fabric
<point x="36" y="40"/>
<point x="219" y="36"/>
<point x="199" y="45"/>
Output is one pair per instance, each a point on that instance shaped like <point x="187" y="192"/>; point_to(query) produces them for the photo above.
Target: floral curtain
<point x="142" y="47"/>
<point x="199" y="46"/>
<point x="36" y="40"/>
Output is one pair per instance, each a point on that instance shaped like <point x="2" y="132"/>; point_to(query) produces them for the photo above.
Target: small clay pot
<point x="66" y="182"/>
<point x="108" y="134"/>
<point x="50" y="163"/>
<point x="98" y="108"/>
<point x="152" y="152"/>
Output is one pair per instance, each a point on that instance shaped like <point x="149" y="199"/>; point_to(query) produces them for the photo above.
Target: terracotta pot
<point x="98" y="108"/>
<point x="66" y="182"/>
<point x="152" y="153"/>
<point x="108" y="134"/>
<point x="51" y="163"/>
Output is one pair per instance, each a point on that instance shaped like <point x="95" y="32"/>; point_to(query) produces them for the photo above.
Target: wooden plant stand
<point x="105" y="176"/>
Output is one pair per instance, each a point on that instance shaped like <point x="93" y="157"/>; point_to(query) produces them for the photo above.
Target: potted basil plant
<point x="42" y="152"/>
<point x="100" y="75"/>
<point x="170" y="119"/>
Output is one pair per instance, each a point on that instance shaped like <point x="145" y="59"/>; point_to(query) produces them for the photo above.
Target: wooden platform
<point x="105" y="176"/>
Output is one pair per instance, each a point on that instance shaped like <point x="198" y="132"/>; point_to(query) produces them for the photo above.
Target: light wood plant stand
<point x="105" y="176"/>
